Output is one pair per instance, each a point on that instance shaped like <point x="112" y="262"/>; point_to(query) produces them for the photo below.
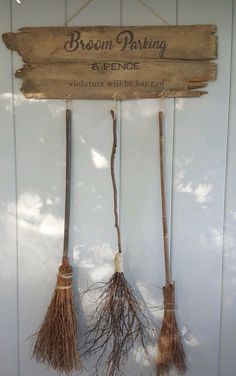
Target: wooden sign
<point x="96" y="62"/>
<point x="147" y="80"/>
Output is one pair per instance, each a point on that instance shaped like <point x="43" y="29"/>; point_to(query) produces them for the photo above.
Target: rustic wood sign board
<point x="97" y="62"/>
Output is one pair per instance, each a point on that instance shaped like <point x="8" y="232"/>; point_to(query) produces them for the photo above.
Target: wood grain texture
<point x="72" y="44"/>
<point x="97" y="61"/>
<point x="80" y="81"/>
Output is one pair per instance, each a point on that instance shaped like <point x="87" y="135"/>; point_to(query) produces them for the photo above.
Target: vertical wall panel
<point x="140" y="180"/>
<point x="8" y="251"/>
<point x="93" y="237"/>
<point x="228" y="333"/>
<point x="201" y="135"/>
<point x="40" y="177"/>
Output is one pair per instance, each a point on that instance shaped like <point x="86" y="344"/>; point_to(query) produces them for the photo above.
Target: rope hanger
<point x="153" y="12"/>
<point x="84" y="6"/>
<point x="140" y="1"/>
<point x="77" y="12"/>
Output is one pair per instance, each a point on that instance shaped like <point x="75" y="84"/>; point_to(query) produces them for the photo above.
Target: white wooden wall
<point x="200" y="162"/>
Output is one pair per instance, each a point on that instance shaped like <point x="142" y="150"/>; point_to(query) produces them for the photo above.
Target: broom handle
<point x="68" y="184"/>
<point x="163" y="200"/>
<point x="113" y="178"/>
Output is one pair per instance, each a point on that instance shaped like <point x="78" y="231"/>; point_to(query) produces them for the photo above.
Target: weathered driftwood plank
<point x="96" y="62"/>
<point x="100" y="80"/>
<point x="73" y="44"/>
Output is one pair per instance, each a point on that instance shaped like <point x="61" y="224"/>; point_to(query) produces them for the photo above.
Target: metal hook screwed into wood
<point x="68" y="99"/>
<point x="163" y="97"/>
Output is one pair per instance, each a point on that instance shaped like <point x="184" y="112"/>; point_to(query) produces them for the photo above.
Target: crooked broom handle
<point x="113" y="178"/>
<point x="68" y="183"/>
<point x="163" y="200"/>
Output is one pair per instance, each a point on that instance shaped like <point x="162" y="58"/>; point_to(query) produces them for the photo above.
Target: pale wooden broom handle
<point x="68" y="183"/>
<point x="163" y="200"/>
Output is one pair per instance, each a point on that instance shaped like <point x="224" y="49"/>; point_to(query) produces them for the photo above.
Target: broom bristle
<point x="118" y="322"/>
<point x="55" y="343"/>
<point x="171" y="352"/>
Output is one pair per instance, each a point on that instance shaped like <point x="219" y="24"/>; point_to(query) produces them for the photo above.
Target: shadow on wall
<point x="40" y="210"/>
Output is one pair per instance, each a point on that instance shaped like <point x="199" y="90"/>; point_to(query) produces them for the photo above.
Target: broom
<point x="171" y="352"/>
<point x="119" y="320"/>
<point x="55" y="343"/>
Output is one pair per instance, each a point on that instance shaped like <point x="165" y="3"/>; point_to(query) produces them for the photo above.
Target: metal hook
<point x="68" y="100"/>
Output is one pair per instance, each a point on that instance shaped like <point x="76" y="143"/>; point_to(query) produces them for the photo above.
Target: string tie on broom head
<point x="118" y="262"/>
<point x="169" y="296"/>
<point x="64" y="278"/>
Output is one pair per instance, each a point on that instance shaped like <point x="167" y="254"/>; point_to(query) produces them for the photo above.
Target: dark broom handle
<point x="113" y="178"/>
<point x="68" y="183"/>
<point x="163" y="200"/>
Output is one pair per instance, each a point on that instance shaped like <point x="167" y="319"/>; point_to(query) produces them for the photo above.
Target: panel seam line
<point x="16" y="197"/>
<point x="225" y="190"/>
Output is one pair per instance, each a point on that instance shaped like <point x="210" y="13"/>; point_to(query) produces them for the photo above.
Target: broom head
<point x="171" y="352"/>
<point x="55" y="343"/>
<point x="118" y="322"/>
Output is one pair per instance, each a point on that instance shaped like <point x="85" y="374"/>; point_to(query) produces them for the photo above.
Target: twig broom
<point x="119" y="317"/>
<point x="170" y="348"/>
<point x="55" y="343"/>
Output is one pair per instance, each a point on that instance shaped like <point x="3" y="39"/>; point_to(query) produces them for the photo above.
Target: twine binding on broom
<point x="118" y="262"/>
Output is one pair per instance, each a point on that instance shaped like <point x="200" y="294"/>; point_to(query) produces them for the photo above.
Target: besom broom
<point x="119" y="320"/>
<point x="170" y="349"/>
<point x="55" y="343"/>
